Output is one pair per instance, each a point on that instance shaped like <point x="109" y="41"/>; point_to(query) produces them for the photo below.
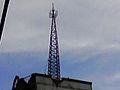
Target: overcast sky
<point x="89" y="40"/>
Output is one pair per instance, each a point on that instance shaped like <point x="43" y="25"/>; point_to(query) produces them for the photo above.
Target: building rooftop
<point x="62" y="79"/>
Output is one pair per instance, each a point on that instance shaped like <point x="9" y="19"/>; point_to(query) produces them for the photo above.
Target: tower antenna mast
<point x="53" y="60"/>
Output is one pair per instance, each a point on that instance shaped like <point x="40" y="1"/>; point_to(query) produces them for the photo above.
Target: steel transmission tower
<point x="53" y="60"/>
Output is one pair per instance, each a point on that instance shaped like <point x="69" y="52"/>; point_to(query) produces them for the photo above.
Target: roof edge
<point x="63" y="78"/>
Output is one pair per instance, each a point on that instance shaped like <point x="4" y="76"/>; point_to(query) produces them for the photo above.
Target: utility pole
<point x="53" y="60"/>
<point x="3" y="17"/>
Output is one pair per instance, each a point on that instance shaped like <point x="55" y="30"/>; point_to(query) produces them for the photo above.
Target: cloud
<point x="1" y="6"/>
<point x="114" y="78"/>
<point x="89" y="23"/>
<point x="108" y="82"/>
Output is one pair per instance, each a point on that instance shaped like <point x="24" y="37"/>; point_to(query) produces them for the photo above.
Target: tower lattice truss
<point x="53" y="60"/>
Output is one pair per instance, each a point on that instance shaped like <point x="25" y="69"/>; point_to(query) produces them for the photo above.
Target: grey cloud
<point x="95" y="22"/>
<point x="1" y="6"/>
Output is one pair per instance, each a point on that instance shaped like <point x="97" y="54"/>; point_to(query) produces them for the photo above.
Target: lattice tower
<point x="53" y="60"/>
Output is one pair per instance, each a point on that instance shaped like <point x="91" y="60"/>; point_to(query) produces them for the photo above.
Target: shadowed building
<point x="53" y="80"/>
<point x="45" y="82"/>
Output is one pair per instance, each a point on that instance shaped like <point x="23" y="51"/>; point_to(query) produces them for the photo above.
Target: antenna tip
<point x="53" y="6"/>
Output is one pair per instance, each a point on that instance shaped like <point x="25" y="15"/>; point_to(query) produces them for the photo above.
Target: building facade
<point x="45" y="82"/>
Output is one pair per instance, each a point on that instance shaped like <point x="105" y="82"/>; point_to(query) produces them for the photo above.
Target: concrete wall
<point x="46" y="83"/>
